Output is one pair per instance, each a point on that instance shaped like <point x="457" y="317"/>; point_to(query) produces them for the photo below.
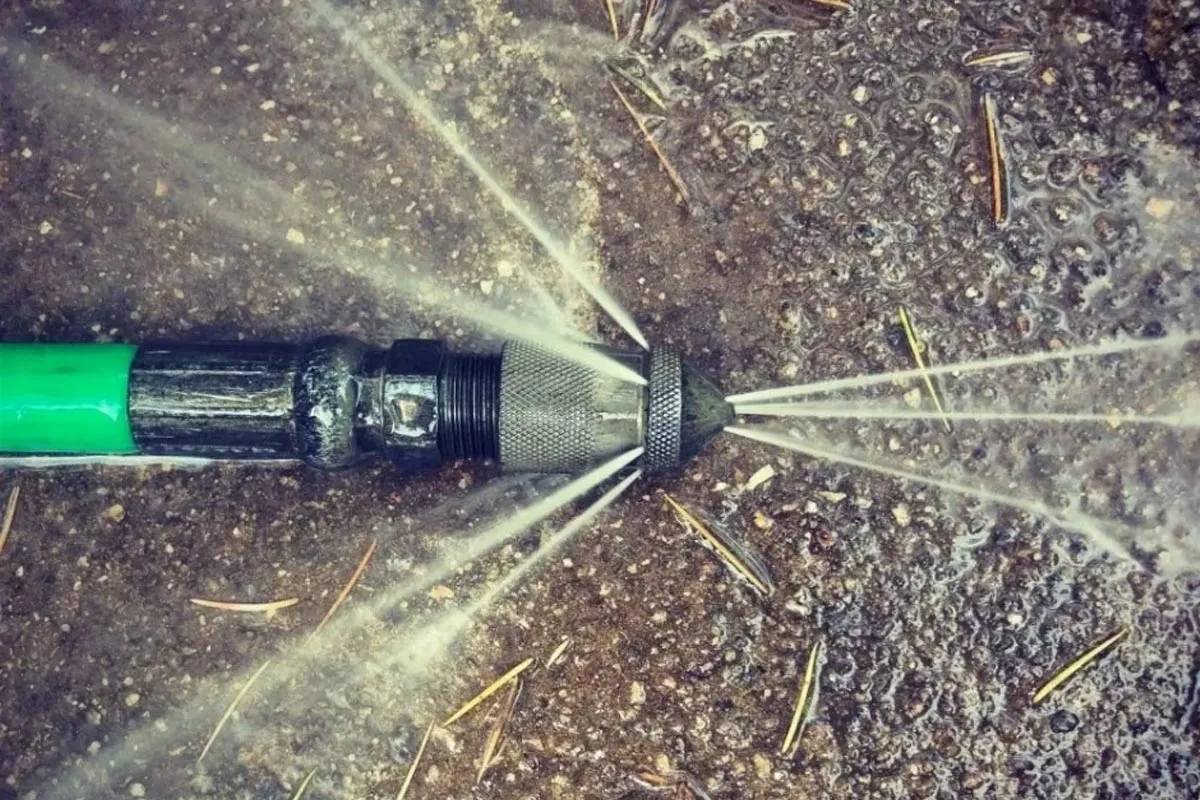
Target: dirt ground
<point x="216" y="170"/>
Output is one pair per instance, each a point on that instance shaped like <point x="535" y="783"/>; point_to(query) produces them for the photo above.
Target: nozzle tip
<point x="705" y="412"/>
<point x="684" y="411"/>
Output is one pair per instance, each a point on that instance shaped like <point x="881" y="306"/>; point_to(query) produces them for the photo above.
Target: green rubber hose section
<point x="65" y="398"/>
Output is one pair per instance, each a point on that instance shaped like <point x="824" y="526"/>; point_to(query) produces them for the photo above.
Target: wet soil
<point x="836" y="169"/>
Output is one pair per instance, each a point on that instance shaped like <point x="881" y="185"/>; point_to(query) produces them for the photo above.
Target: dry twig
<point x="232" y="707"/>
<point x="667" y="166"/>
<point x="1066" y="672"/>
<point x="10" y="511"/>
<point x="492" y="688"/>
<point x="304" y="785"/>
<point x="222" y="605"/>
<point x="736" y="555"/>
<point x="496" y="736"/>
<point x="791" y="741"/>
<point x="914" y="344"/>
<point x="997" y="162"/>
<point x="412" y="770"/>
<point x="341" y="598"/>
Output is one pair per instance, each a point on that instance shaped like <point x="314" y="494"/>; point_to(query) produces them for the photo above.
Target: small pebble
<point x="294" y="236"/>
<point x="114" y="513"/>
<point x="1063" y="722"/>
<point x="637" y="693"/>
<point x="132" y="699"/>
<point x="1159" y="208"/>
<point x="761" y="476"/>
<point x="902" y="515"/>
<point x="137" y="790"/>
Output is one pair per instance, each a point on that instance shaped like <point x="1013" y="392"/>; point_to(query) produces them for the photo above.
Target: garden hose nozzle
<point x="337" y="401"/>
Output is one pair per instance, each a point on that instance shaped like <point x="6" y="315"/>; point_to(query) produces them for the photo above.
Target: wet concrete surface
<point x="836" y="168"/>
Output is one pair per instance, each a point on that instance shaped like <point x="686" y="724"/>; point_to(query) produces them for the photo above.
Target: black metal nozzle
<point x="336" y="400"/>
<point x="684" y="411"/>
<point x="705" y="412"/>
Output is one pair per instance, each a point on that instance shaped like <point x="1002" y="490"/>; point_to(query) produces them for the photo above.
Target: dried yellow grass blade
<point x="412" y="770"/>
<point x="1066" y="672"/>
<point x="999" y="170"/>
<point x="10" y="511"/>
<point x="1008" y="58"/>
<point x="667" y="166"/>
<point x="232" y="707"/>
<point x="743" y="567"/>
<point x="839" y="4"/>
<point x="304" y="785"/>
<point x="496" y="736"/>
<point x="492" y="688"/>
<point x="558" y="651"/>
<point x="791" y="741"/>
<point x="914" y="344"/>
<point x="612" y="18"/>
<point x="222" y="605"/>
<point x="341" y="598"/>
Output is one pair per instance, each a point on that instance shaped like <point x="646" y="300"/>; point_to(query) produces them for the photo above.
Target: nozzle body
<point x="336" y="402"/>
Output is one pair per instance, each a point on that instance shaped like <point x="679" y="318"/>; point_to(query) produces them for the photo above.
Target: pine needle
<point x="744" y="564"/>
<point x="999" y="169"/>
<point x="667" y="166"/>
<point x="791" y="742"/>
<point x="412" y="770"/>
<point x="492" y="688"/>
<point x="1008" y="58"/>
<point x="232" y="707"/>
<point x="558" y="651"/>
<point x="1066" y="672"/>
<point x="496" y="736"/>
<point x="639" y="84"/>
<point x="341" y="598"/>
<point x="839" y="4"/>
<point x="304" y="785"/>
<point x="612" y="17"/>
<point x="10" y="511"/>
<point x="222" y="605"/>
<point x="914" y="344"/>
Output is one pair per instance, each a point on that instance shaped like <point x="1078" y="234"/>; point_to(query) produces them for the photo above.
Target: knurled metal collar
<point x="664" y="411"/>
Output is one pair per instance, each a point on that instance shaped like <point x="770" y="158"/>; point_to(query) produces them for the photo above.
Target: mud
<point x="836" y="169"/>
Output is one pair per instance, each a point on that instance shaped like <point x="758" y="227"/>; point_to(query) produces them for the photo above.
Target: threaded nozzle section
<point x="469" y="406"/>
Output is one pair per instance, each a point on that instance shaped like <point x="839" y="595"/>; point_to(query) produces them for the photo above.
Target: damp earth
<point x="214" y="170"/>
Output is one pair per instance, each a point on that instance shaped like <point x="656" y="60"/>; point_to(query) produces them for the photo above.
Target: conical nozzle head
<point x="705" y="412"/>
<point x="684" y="411"/>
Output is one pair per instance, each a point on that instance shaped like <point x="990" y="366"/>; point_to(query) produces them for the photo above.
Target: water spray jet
<point x="337" y="402"/>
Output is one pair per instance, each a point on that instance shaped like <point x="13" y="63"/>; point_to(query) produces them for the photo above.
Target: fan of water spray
<point x="1114" y="473"/>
